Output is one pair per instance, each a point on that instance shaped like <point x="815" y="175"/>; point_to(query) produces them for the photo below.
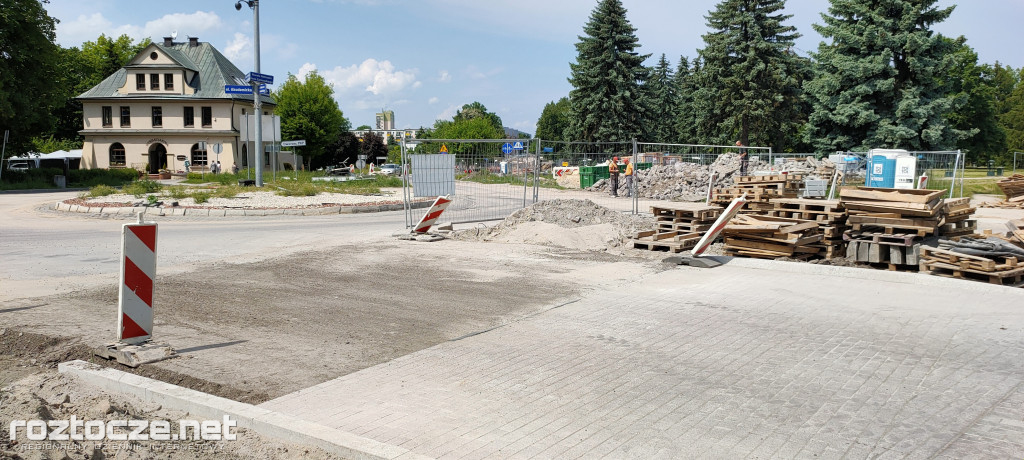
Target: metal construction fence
<point x="490" y="179"/>
<point x="1015" y="156"/>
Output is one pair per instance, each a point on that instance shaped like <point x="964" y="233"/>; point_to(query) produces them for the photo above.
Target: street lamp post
<point x="256" y="102"/>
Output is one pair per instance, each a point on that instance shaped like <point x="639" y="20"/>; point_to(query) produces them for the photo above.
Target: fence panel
<point x="1015" y="156"/>
<point x="570" y="170"/>
<point x="945" y="170"/>
<point x="490" y="181"/>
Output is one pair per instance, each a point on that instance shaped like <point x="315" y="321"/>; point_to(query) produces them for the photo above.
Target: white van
<point x="17" y="165"/>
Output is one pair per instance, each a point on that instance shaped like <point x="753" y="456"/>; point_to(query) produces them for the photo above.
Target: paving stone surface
<point x="724" y="363"/>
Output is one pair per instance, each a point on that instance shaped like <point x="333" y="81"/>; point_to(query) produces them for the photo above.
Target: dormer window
<point x="140" y="82"/>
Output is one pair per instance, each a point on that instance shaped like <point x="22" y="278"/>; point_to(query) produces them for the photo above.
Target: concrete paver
<point x="730" y="362"/>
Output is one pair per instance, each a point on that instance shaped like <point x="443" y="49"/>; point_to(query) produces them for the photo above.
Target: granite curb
<point x="263" y="421"/>
<point x="231" y="212"/>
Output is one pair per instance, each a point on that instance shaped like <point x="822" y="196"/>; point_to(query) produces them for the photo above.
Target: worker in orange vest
<point x="613" y="174"/>
<point x="629" y="177"/>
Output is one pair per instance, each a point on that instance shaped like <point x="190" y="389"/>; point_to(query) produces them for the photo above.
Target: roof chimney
<point x="193" y="42"/>
<point x="168" y="41"/>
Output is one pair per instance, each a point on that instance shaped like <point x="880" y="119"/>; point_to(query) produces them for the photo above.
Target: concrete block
<point x="292" y="212"/>
<point x="177" y="211"/>
<point x="274" y="212"/>
<point x="851" y="250"/>
<point x="256" y="212"/>
<point x="214" y="212"/>
<point x="232" y="212"/>
<point x="896" y="255"/>
<point x="73" y="208"/>
<point x="914" y="254"/>
<point x="347" y="210"/>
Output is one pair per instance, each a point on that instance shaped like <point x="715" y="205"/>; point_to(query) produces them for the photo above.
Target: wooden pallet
<point x="769" y="179"/>
<point x="892" y="239"/>
<point x="971" y="262"/>
<point x="673" y="241"/>
<point x="687" y="210"/>
<point x="689" y="227"/>
<point x="818" y="216"/>
<point x="802" y="204"/>
<point x="894" y="229"/>
<point x="965" y="227"/>
<point x="1011" y="278"/>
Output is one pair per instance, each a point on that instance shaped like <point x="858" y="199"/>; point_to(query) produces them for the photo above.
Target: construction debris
<point x="681" y="181"/>
<point x="986" y="257"/>
<point x="767" y="237"/>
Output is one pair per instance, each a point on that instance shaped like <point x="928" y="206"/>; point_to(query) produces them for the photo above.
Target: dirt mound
<point x="574" y="224"/>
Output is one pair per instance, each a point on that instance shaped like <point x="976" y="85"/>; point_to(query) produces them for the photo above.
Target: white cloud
<point x="448" y="113"/>
<point x="377" y="77"/>
<point x="432" y="100"/>
<point x="444" y="76"/>
<point x="239" y="47"/>
<point x="88" y="27"/>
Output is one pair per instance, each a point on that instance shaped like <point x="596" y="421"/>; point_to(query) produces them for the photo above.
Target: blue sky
<point x="426" y="58"/>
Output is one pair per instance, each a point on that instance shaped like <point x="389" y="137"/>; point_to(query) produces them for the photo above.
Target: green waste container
<point x="586" y="179"/>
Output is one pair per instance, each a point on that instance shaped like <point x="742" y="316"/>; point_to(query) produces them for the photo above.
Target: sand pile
<point x="574" y="224"/>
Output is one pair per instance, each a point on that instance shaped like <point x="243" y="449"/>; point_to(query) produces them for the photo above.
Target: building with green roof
<point x="153" y="113"/>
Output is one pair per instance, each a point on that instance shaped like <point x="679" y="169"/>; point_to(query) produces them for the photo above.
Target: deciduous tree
<point x="308" y="111"/>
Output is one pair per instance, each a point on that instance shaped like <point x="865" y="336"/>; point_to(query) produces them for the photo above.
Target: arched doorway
<point x="157" y="158"/>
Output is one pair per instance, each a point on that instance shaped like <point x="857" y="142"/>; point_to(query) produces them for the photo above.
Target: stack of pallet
<point x="768" y="237"/>
<point x="679" y="226"/>
<point x="1013" y="188"/>
<point x="888" y="225"/>
<point x="760" y="190"/>
<point x="987" y="257"/>
<point x="830" y="216"/>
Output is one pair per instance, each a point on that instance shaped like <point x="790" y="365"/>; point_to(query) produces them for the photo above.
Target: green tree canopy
<point x="1012" y="116"/>
<point x="978" y="116"/>
<point x="28" y="69"/>
<point x="554" y="121"/>
<point x="477" y="110"/>
<point x="372" y="146"/>
<point x="880" y="79"/>
<point x="607" y="101"/>
<point x="685" y="84"/>
<point x="308" y="111"/>
<point x="749" y="83"/>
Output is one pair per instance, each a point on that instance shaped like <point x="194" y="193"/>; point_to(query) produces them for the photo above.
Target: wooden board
<point x="922" y="196"/>
<point x="971" y="262"/>
<point x="898" y="239"/>
<point x="952" y="271"/>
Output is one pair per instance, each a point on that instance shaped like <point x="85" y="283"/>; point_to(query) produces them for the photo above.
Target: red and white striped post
<point x="723" y="220"/>
<point x="138" y="274"/>
<point x="430" y="218"/>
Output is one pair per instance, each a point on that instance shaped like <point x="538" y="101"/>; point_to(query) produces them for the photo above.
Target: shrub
<point x="177" y="192"/>
<point x="140" y="188"/>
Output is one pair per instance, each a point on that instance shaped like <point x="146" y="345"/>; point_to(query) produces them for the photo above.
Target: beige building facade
<point x="161" y="109"/>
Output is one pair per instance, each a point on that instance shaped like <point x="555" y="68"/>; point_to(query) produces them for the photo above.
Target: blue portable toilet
<point x="882" y="170"/>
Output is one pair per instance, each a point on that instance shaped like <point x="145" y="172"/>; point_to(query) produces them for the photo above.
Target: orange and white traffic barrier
<point x="138" y="274"/>
<point x="723" y="220"/>
<point x="428" y="220"/>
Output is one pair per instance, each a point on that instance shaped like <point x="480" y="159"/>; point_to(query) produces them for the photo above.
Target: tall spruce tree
<point x="1012" y="118"/>
<point x="661" y="90"/>
<point x="608" y="102"/>
<point x="748" y="82"/>
<point x="881" y="78"/>
<point x="685" y="123"/>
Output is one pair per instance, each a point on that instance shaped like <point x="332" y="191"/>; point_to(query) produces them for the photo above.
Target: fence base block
<point x="135" y="355"/>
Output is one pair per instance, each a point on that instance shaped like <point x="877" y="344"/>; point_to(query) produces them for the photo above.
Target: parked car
<point x="18" y="165"/>
<point x="390" y="169"/>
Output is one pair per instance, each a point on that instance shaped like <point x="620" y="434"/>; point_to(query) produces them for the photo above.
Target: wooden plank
<point x="913" y="209"/>
<point x="923" y="196"/>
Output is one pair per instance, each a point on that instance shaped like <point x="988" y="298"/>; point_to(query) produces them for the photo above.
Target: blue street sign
<point x="517" y="146"/>
<point x="237" y="89"/>
<point x="260" y="77"/>
<point x="549" y="149"/>
<point x="506" y="148"/>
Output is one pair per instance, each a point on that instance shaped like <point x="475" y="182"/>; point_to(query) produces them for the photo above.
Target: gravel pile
<point x="568" y="218"/>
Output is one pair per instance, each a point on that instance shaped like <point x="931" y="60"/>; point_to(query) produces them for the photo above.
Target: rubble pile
<point x="682" y="181"/>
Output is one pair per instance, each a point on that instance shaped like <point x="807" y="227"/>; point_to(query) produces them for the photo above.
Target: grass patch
<point x="42" y="178"/>
<point x="140" y="188"/>
<point x="227" y="191"/>
<point x="297" y="189"/>
<point x="971" y="186"/>
<point x="99" y="190"/>
<point x="487" y="177"/>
